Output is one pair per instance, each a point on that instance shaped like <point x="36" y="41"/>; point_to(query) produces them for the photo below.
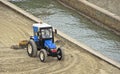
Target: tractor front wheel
<point x="60" y="54"/>
<point x="43" y="55"/>
<point x="32" y="49"/>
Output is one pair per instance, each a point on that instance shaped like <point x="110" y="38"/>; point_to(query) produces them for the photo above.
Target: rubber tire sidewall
<point x="45" y="55"/>
<point x="62" y="54"/>
<point x="34" y="48"/>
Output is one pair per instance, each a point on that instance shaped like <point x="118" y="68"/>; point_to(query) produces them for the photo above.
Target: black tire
<point x="43" y="55"/>
<point x="60" y="54"/>
<point x="32" y="48"/>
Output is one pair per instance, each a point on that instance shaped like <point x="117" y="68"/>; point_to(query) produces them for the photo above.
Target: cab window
<point x="46" y="33"/>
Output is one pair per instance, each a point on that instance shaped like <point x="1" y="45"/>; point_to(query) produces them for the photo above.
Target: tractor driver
<point x="46" y="33"/>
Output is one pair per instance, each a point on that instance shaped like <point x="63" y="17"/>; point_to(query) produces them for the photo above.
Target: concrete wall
<point x="110" y="20"/>
<point x="110" y="5"/>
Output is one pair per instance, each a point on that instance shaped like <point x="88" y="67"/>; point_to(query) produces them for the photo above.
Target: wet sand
<point x="15" y="27"/>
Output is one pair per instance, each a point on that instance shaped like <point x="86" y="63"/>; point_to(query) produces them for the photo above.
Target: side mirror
<point x="55" y="31"/>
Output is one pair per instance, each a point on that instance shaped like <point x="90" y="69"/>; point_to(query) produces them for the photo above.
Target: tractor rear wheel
<point x="60" y="54"/>
<point x="32" y="49"/>
<point x="43" y="55"/>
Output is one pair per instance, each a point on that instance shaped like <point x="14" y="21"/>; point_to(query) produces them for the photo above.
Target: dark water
<point x="74" y="25"/>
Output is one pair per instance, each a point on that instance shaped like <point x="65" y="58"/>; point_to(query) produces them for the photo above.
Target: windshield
<point x="46" y="33"/>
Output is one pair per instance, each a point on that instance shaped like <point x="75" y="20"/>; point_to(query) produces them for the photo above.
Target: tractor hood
<point x="49" y="44"/>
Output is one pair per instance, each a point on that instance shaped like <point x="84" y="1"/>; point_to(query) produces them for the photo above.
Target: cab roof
<point x="41" y="25"/>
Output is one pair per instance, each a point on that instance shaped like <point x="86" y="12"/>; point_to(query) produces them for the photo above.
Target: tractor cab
<point x="43" y="35"/>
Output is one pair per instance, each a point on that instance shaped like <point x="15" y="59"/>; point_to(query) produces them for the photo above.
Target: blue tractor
<point x="43" y="40"/>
